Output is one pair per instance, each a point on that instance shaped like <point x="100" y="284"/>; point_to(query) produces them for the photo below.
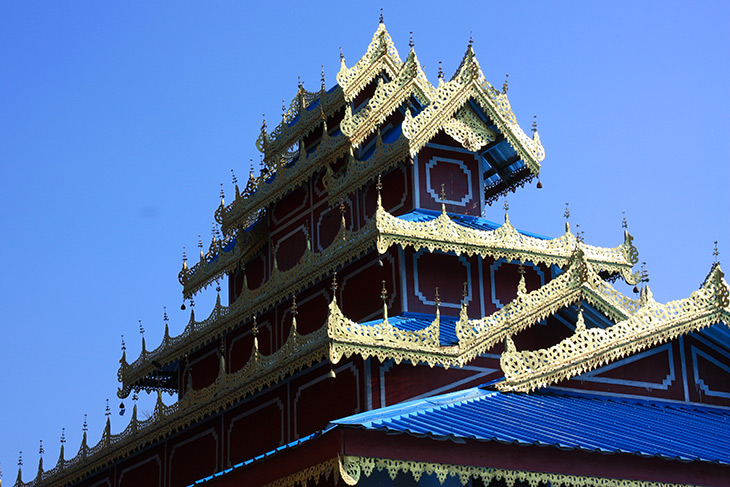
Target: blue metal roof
<point x="468" y="221"/>
<point x="418" y="321"/>
<point x="599" y="423"/>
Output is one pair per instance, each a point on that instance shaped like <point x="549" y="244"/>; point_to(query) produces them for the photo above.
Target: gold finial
<point x="380" y="20"/>
<point x="283" y="110"/>
<point x="334" y="283"/>
<point x="566" y="214"/>
<point x="624" y="223"/>
<point x="294" y="311"/>
<point x="579" y="233"/>
<point x="124" y="345"/>
<point x="505" y="86"/>
<point x="471" y="39"/>
<point x="41" y="450"/>
<point x="379" y="184"/>
<point x="107" y="411"/>
<point x="442" y="195"/>
<point x="233" y="178"/>
<point x="299" y="82"/>
<point x="20" y="458"/>
<point x="255" y="328"/>
<point x="384" y="293"/>
<point x="534" y="124"/>
<point x="223" y="196"/>
<point x="342" y="56"/>
<point x="715" y="253"/>
<point x="441" y="71"/>
<point x="644" y="273"/>
<point x="85" y="427"/>
<point x="437" y="298"/>
<point x="410" y="42"/>
<point x="505" y="205"/>
<point x="324" y="87"/>
<point x="141" y="328"/>
<point x="465" y="292"/>
<point x="263" y="123"/>
<point x="63" y="436"/>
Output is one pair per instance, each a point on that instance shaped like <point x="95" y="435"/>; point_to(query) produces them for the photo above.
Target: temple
<point x="379" y="330"/>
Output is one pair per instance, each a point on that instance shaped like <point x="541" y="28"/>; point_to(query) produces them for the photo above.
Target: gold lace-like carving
<point x="217" y="262"/>
<point x="381" y="56"/>
<point x="261" y="371"/>
<point x="505" y="242"/>
<point x="650" y="324"/>
<point x="357" y="466"/>
<point x="300" y="119"/>
<point x="451" y="96"/>
<point x="388" y="96"/>
<point x="312" y="267"/>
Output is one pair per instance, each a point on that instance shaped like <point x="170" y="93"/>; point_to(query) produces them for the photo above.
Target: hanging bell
<point x="122" y="410"/>
<point x="636" y="289"/>
<point x="182" y="306"/>
<point x="539" y="184"/>
<point x="331" y="374"/>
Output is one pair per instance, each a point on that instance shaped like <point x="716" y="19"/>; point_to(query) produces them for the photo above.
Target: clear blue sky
<point x="119" y="122"/>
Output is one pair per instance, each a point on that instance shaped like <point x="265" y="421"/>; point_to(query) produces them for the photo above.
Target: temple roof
<point x="597" y="423"/>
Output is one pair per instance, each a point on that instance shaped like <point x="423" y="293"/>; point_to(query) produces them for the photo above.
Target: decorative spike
<point x="342" y="214"/>
<point x="381" y="16"/>
<point x="324" y="87"/>
<point x="715" y="253"/>
<point x="437" y="299"/>
<point x="521" y="287"/>
<point x="506" y="210"/>
<point x="379" y="188"/>
<point x="505" y="86"/>
<point x="441" y="72"/>
<point x="471" y="39"/>
<point x="85" y="427"/>
<point x="334" y="285"/>
<point x="107" y="411"/>
<point x="624" y="223"/>
<point x="342" y="56"/>
<point x="255" y="328"/>
<point x="580" y="324"/>
<point x="534" y="124"/>
<point x="223" y="196"/>
<point x="410" y="42"/>
<point x="566" y="214"/>
<point x="384" y="297"/>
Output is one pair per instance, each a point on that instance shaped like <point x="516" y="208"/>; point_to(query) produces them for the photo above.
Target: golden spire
<point x="505" y="86"/>
<point x="294" y="312"/>
<point x="566" y="214"/>
<point x="716" y="253"/>
<point x="442" y="196"/>
<point x="506" y="210"/>
<point x="384" y="297"/>
<point x="463" y="315"/>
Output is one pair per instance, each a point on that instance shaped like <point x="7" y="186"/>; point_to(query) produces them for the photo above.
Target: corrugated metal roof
<point x="418" y="321"/>
<point x="468" y="221"/>
<point x="599" y="423"/>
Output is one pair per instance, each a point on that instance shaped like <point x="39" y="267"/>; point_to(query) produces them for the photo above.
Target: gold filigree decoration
<point x="388" y="96"/>
<point x="652" y="323"/>
<point x="367" y="465"/>
<point x="286" y="176"/>
<point x="312" y="267"/>
<point x="218" y="262"/>
<point x="380" y="57"/>
<point x="505" y="242"/>
<point x="300" y="119"/>
<point x="469" y="130"/>
<point x="476" y="336"/>
<point x="469" y="83"/>
<point x="261" y="371"/>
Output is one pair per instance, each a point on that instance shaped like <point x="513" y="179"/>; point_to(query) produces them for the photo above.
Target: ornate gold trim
<point x="505" y="242"/>
<point x="652" y="323"/>
<point x="451" y="96"/>
<point x="312" y="267"/>
<point x="298" y="352"/>
<point x="356" y="466"/>
<point x="218" y="262"/>
<point x="381" y="56"/>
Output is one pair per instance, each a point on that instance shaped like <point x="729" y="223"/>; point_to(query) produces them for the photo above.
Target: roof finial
<point x="107" y="411"/>
<point x="334" y="284"/>
<point x="437" y="298"/>
<point x="63" y="436"/>
<point x="578" y="233"/>
<point x="124" y="346"/>
<point x="465" y="292"/>
<point x="442" y="196"/>
<point x="506" y="209"/>
<point x="716" y="253"/>
<point x="299" y="82"/>
<point x="223" y="196"/>
<point x="471" y="39"/>
<point x="41" y="451"/>
<point x="283" y="110"/>
<point x="624" y="223"/>
<point x="141" y="328"/>
<point x="441" y="71"/>
<point x="233" y="177"/>
<point x="380" y="20"/>
<point x="505" y="86"/>
<point x="342" y="56"/>
<point x="410" y="42"/>
<point x="322" y="79"/>
<point x="534" y="124"/>
<point x="644" y="273"/>
<point x="85" y="427"/>
<point x="566" y="213"/>
<point x="384" y="297"/>
<point x="255" y="327"/>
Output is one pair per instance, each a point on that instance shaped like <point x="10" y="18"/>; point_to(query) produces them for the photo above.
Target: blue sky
<point x="119" y="122"/>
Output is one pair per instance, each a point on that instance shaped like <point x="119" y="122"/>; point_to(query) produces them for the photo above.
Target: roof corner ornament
<point x="384" y="297"/>
<point x="566" y="215"/>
